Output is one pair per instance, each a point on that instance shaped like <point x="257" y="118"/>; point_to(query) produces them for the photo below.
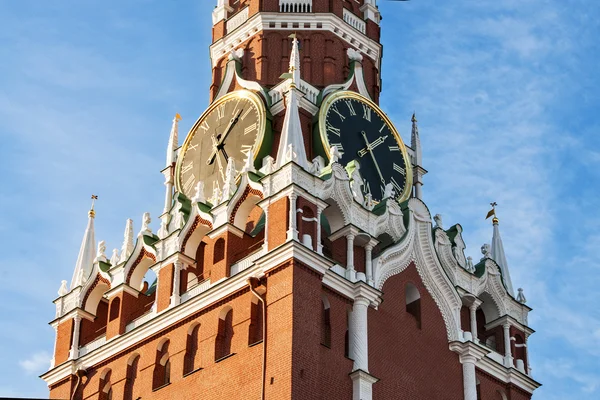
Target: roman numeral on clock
<point x="335" y="110"/>
<point x="221" y="111"/>
<point x="339" y="147"/>
<point x="250" y="128"/>
<point x="205" y="127"/>
<point x="187" y="167"/>
<point x="246" y="149"/>
<point x="189" y="183"/>
<point x="367" y="113"/>
<point x="398" y="168"/>
<point x="350" y="107"/>
<point x="397" y="186"/>
<point x="244" y="115"/>
<point x="333" y="129"/>
<point x="394" y="148"/>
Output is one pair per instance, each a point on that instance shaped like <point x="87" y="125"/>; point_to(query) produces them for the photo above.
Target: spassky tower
<point x="295" y="257"/>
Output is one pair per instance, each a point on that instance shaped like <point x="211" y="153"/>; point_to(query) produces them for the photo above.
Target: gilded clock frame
<point x="348" y="94"/>
<point x="259" y="144"/>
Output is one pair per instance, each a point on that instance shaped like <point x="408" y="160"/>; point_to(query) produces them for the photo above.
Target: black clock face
<point x="362" y="132"/>
<point x="230" y="128"/>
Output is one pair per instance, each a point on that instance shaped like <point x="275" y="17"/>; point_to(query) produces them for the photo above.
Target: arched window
<point x="105" y="388"/>
<point x="115" y="308"/>
<point x="325" y="322"/>
<point x="225" y="334"/>
<point x="255" y="331"/>
<point x="219" y="252"/>
<point x="413" y="303"/>
<point x="478" y="390"/>
<point x="162" y="366"/>
<point x="132" y="371"/>
<point x="200" y="261"/>
<point x="191" y="362"/>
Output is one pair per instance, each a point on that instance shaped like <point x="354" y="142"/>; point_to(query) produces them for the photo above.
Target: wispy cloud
<point x="36" y="363"/>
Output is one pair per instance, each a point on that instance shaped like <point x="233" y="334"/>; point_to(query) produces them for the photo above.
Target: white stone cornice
<point x="508" y="375"/>
<point x="469" y="351"/>
<point x="293" y="249"/>
<point x="77" y="312"/>
<point x="225" y="228"/>
<point x="186" y="260"/>
<point x="123" y="287"/>
<point x="507" y="319"/>
<point x="265" y="21"/>
<point x="345" y="231"/>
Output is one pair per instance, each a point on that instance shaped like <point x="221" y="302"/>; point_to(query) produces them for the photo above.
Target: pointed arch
<point x="139" y="267"/>
<point x="255" y="330"/>
<point x="104" y="385"/>
<point x="162" y="365"/>
<point x="131" y="375"/>
<point x="413" y="302"/>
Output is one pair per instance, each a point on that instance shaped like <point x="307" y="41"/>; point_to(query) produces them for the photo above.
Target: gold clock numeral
<point x="367" y="113"/>
<point x="382" y="127"/>
<point x="333" y="129"/>
<point x="187" y="167"/>
<point x="192" y="147"/>
<point x="221" y="111"/>
<point x="335" y="110"/>
<point x="205" y="127"/>
<point x="339" y="147"/>
<point x="399" y="169"/>
<point x="189" y="183"/>
<point x="244" y="115"/>
<point x="246" y="149"/>
<point x="250" y="128"/>
<point x="350" y="107"/>
<point x="394" y="148"/>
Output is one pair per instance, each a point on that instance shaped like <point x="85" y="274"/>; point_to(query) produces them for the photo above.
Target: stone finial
<point x="216" y="195"/>
<point x="87" y="251"/>
<point x="236" y="55"/>
<point x="334" y="154"/>
<point x="438" y="221"/>
<point x="178" y="218"/>
<point x="470" y="267"/>
<point x="485" y="250"/>
<point x="249" y="164"/>
<point x="229" y="185"/>
<point x="369" y="203"/>
<point x="388" y="192"/>
<point x="521" y="297"/>
<point x="316" y="165"/>
<point x="114" y="259"/>
<point x="199" y="195"/>
<point x="63" y="288"/>
<point x="101" y="253"/>
<point x="146" y="231"/>
<point x="127" y="247"/>
<point x="268" y="165"/>
<point x="356" y="183"/>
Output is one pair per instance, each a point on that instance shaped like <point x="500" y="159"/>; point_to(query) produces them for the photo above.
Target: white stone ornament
<point x="438" y="221"/>
<point x="216" y="195"/>
<point x="199" y="196"/>
<point x="356" y="184"/>
<point x="146" y="220"/>
<point x="354" y="55"/>
<point x="485" y="250"/>
<point x="520" y="297"/>
<point x="178" y="218"/>
<point x="268" y="165"/>
<point x="316" y="166"/>
<point x="470" y="267"/>
<point x="334" y="155"/>
<point x="369" y="203"/>
<point x="388" y="192"/>
<point x="114" y="259"/>
<point x="63" y="289"/>
<point x="236" y="55"/>
<point x="101" y="253"/>
<point x="249" y="164"/>
<point x="229" y="186"/>
<point x="127" y="247"/>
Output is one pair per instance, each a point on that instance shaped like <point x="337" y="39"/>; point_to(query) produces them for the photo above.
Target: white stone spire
<point x="87" y="251"/>
<point x="127" y="247"/>
<point x="169" y="174"/>
<point x="291" y="143"/>
<point x="419" y="171"/>
<point x="173" y="141"/>
<point x="498" y="255"/>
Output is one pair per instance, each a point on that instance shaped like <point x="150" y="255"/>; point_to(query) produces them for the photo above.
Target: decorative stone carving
<point x="334" y="155"/>
<point x="127" y="247"/>
<point x="199" y="196"/>
<point x="114" y="259"/>
<point x="470" y="267"/>
<point x="388" y="192"/>
<point x="216" y="195"/>
<point x="356" y="183"/>
<point x="229" y="186"/>
<point x="485" y="250"/>
<point x="369" y="203"/>
<point x="438" y="221"/>
<point x="268" y="165"/>
<point x="100" y="254"/>
<point x="354" y="55"/>
<point x="236" y="55"/>
<point x="316" y="166"/>
<point x="63" y="289"/>
<point x="249" y="164"/>
<point x="179" y="217"/>
<point x="521" y="297"/>
<point x="146" y="231"/>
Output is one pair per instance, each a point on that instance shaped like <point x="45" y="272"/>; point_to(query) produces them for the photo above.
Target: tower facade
<point x="295" y="258"/>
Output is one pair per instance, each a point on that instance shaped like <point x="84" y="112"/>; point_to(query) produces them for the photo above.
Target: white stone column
<point x="508" y="358"/>
<point x="292" y="233"/>
<point x="319" y="241"/>
<point x="350" y="272"/>
<point x="369" y="263"/>
<point x="473" y="310"/>
<point x="175" y="296"/>
<point x="527" y="355"/>
<point x="469" y="377"/>
<point x="74" y="353"/>
<point x="358" y="334"/>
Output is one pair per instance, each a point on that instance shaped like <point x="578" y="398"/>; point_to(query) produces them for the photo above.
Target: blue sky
<point x="507" y="96"/>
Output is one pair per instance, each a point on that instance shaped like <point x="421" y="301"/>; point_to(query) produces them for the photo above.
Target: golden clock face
<point x="232" y="127"/>
<point x="362" y="132"/>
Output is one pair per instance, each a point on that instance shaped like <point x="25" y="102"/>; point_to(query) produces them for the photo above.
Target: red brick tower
<point x="295" y="258"/>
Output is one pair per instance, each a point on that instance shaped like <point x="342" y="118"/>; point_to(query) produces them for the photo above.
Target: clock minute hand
<point x="373" y="157"/>
<point x="372" y="146"/>
<point x="219" y="144"/>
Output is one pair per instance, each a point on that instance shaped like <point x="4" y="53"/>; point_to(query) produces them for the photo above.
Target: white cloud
<point x="36" y="363"/>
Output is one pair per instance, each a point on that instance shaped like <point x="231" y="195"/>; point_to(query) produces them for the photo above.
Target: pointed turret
<point x="419" y="171"/>
<point x="127" y="247"/>
<point x="291" y="144"/>
<point x="173" y="141"/>
<point x="87" y="251"/>
<point x="498" y="255"/>
<point x="169" y="173"/>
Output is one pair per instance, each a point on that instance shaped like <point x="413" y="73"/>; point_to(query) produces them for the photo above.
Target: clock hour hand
<point x="218" y="145"/>
<point x="373" y="157"/>
<point x="372" y="146"/>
